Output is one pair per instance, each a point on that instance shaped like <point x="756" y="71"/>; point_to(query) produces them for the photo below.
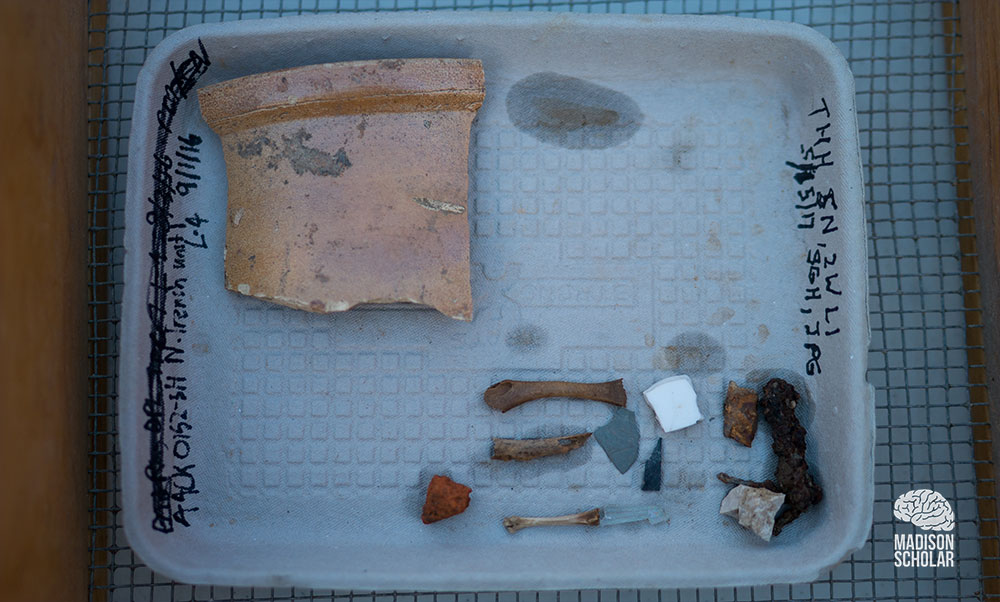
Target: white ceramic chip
<point x="674" y="402"/>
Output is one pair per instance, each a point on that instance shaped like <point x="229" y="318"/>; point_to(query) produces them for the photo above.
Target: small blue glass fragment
<point x="652" y="477"/>
<point x="620" y="439"/>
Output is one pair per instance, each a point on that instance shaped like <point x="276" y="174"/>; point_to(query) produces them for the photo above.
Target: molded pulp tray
<point x="688" y="228"/>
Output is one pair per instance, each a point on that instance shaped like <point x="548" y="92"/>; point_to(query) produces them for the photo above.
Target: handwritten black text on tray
<point x="172" y="238"/>
<point x="817" y="211"/>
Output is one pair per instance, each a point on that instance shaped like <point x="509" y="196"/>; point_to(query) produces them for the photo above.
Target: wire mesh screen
<point x="929" y="414"/>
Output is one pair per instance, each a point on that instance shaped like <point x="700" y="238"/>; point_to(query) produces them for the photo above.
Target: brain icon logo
<point x="926" y="509"/>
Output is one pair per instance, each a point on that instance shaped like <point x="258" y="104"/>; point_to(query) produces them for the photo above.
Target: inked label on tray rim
<point x="172" y="237"/>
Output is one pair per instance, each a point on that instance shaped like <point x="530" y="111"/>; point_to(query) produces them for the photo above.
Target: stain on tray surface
<point x="572" y="112"/>
<point x="721" y="316"/>
<point x="691" y="353"/>
<point x="682" y="156"/>
<point x="526" y="338"/>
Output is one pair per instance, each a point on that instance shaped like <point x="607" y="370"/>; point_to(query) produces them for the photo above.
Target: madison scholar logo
<point x="930" y="511"/>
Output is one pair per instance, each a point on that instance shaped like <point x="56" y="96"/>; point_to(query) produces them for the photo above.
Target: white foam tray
<point x="306" y="441"/>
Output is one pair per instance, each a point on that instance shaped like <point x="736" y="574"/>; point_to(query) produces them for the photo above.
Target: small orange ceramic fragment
<point x="348" y="182"/>
<point x="445" y="498"/>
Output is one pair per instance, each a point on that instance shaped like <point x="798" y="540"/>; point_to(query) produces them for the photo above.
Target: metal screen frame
<point x="932" y="427"/>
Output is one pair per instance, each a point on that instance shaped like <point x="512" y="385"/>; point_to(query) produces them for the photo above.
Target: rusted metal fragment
<point x="731" y="480"/>
<point x="348" y="182"/>
<point x="508" y="394"/>
<point x="777" y="404"/>
<point x="523" y="450"/>
<point x="740" y="414"/>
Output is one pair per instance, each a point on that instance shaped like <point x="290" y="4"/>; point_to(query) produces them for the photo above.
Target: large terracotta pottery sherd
<point x="348" y="182"/>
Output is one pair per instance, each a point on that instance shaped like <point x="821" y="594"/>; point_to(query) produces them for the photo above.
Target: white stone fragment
<point x="754" y="507"/>
<point x="731" y="503"/>
<point x="674" y="402"/>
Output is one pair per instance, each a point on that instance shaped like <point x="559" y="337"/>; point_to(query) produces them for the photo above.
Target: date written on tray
<point x="174" y="235"/>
